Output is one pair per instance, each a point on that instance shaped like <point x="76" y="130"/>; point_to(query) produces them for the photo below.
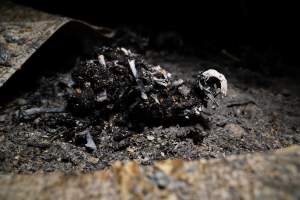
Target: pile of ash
<point x="127" y="93"/>
<point x="117" y="81"/>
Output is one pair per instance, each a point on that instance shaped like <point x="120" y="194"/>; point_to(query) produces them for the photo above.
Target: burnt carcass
<point x="116" y="83"/>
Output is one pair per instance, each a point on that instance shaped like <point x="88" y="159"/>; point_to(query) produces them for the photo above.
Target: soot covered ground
<point x="109" y="107"/>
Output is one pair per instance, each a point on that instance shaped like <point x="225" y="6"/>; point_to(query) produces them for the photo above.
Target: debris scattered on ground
<point x="150" y="137"/>
<point x="90" y="142"/>
<point x="4" y="55"/>
<point x="114" y="105"/>
<point x="210" y="77"/>
<point x="35" y="110"/>
<point x="235" y="130"/>
<point x="119" y="81"/>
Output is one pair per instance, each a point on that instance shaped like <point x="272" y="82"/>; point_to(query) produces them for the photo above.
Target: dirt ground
<point x="259" y="113"/>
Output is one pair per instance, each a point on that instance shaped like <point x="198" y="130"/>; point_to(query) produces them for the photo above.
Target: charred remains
<point x="117" y="81"/>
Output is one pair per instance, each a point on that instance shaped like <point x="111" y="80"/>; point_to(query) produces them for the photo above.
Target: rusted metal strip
<point x="254" y="176"/>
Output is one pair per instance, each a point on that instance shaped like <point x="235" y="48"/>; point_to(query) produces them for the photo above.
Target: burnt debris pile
<point x="117" y="84"/>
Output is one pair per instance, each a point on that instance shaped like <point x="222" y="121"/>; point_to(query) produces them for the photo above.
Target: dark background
<point x="263" y="26"/>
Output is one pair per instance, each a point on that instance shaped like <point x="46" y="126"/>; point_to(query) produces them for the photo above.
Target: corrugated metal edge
<point x="23" y="30"/>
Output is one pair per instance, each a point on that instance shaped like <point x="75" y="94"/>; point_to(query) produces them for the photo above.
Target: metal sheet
<point x="23" y="30"/>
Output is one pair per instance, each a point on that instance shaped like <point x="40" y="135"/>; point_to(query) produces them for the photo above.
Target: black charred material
<point x="115" y="80"/>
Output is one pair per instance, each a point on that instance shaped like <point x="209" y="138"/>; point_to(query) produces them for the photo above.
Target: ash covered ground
<point x="115" y="104"/>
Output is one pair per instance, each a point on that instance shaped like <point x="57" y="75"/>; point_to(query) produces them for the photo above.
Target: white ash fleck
<point x="102" y="60"/>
